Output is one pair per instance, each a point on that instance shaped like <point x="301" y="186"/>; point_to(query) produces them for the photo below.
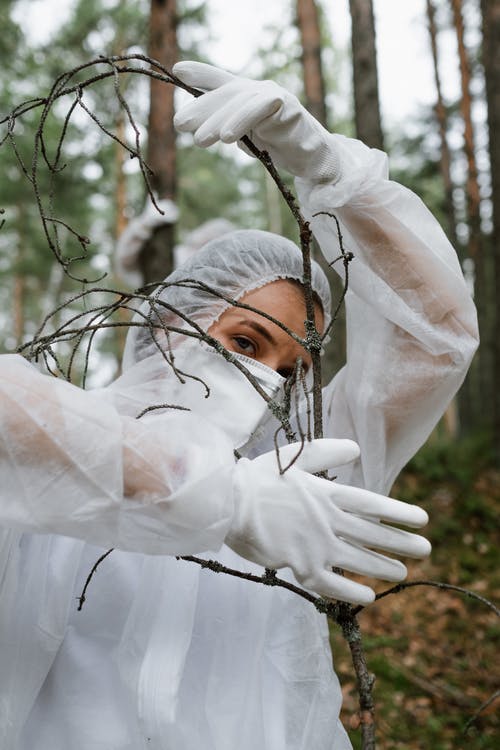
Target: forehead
<point x="284" y="300"/>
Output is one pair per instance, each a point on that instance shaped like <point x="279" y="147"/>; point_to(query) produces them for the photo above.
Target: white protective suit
<point x="165" y="655"/>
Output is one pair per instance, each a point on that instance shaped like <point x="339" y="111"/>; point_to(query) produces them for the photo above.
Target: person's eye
<point x="245" y="345"/>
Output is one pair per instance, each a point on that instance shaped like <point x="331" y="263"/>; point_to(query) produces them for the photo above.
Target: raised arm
<point x="411" y="323"/>
<point x="412" y="327"/>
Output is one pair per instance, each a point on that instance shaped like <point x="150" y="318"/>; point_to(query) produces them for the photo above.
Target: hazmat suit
<point x="163" y="654"/>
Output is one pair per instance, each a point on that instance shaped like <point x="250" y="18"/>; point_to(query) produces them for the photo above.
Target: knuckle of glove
<point x="271" y="91"/>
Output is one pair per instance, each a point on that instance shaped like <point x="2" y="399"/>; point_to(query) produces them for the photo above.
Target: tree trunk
<point x="19" y="285"/>
<point x="442" y="120"/>
<point x="314" y="90"/>
<point x="121" y="184"/>
<point x="472" y="186"/>
<point x="120" y="216"/>
<point x="364" y="69"/>
<point x="478" y="377"/>
<point x="18" y="307"/>
<point x="491" y="60"/>
<point x="310" y="37"/>
<point x="450" y="419"/>
<point x="156" y="257"/>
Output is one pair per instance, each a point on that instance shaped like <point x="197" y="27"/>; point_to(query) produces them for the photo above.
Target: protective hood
<point x="224" y="270"/>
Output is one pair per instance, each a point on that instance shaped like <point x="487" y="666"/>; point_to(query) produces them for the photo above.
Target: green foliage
<point x="213" y="184"/>
<point x="415" y="164"/>
<point x="442" y="459"/>
<point x="81" y="191"/>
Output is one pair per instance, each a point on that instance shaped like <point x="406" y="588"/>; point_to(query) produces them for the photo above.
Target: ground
<point x="434" y="652"/>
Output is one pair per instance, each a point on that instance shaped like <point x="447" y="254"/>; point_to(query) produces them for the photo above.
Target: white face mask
<point x="233" y="404"/>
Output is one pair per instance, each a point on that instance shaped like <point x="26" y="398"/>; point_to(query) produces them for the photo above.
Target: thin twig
<point x="81" y="598"/>
<point x="436" y="584"/>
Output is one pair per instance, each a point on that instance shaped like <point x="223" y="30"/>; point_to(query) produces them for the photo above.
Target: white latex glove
<point x="273" y="118"/>
<point x="311" y="524"/>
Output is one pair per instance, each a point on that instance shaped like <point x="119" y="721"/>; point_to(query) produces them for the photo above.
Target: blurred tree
<point x="491" y="61"/>
<point x="156" y="259"/>
<point x="26" y="264"/>
<point x="479" y="380"/>
<point x="365" y="78"/>
<point x="451" y="416"/>
<point x="310" y="36"/>
<point x="472" y="186"/>
<point x="442" y="120"/>
<point x="309" y="23"/>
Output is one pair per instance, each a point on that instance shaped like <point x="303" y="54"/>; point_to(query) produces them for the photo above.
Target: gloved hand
<point x="311" y="524"/>
<point x="273" y="118"/>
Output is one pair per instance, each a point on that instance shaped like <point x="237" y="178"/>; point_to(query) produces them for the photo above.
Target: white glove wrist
<point x="273" y="118"/>
<point x="309" y="524"/>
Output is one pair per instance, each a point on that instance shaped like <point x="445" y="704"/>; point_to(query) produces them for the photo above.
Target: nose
<point x="273" y="361"/>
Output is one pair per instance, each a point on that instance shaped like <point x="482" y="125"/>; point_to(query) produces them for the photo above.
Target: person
<point x="165" y="654"/>
<point x="141" y="228"/>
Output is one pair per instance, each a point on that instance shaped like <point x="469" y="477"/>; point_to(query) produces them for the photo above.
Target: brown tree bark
<point x="442" y="120"/>
<point x="308" y="23"/>
<point x="310" y="37"/>
<point x="120" y="213"/>
<point x="450" y="419"/>
<point x="491" y="61"/>
<point x="364" y="69"/>
<point x="472" y="184"/>
<point x="156" y="257"/>
<point x="479" y="380"/>
<point x="19" y="286"/>
<point x="121" y="184"/>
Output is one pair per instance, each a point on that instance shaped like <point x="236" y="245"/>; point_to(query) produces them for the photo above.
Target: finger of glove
<point x="373" y="534"/>
<point x="319" y="455"/>
<point x="201" y="76"/>
<point x="366" y="562"/>
<point x="192" y="115"/>
<point x="213" y="128"/>
<point x="366" y="503"/>
<point x="250" y="112"/>
<point x="334" y="586"/>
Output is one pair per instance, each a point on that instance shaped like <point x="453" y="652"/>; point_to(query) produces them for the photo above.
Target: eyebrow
<point x="259" y="328"/>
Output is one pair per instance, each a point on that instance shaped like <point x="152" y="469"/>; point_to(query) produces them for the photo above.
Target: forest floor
<point x="434" y="653"/>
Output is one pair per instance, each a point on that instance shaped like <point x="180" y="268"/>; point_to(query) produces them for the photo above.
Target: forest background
<point x="433" y="654"/>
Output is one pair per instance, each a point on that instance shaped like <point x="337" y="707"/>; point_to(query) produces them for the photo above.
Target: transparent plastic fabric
<point x="169" y="655"/>
<point x="63" y="454"/>
<point x="198" y="238"/>
<point x="411" y="323"/>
